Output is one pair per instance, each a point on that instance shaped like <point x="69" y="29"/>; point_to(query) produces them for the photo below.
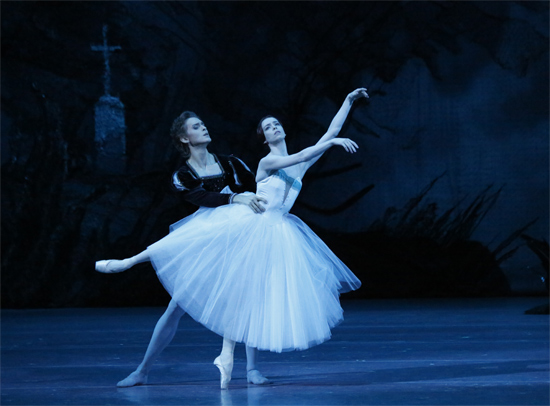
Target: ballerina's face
<point x="273" y="130"/>
<point x="196" y="132"/>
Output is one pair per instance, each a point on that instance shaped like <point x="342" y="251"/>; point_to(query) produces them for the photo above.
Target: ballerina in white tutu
<point x="264" y="279"/>
<point x="204" y="180"/>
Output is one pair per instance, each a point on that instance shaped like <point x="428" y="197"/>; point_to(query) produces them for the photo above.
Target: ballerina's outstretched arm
<point x="274" y="162"/>
<point x="339" y="119"/>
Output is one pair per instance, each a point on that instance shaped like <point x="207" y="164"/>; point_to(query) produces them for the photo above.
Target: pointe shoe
<point x="225" y="371"/>
<point x="109" y="266"/>
<point x="255" y="377"/>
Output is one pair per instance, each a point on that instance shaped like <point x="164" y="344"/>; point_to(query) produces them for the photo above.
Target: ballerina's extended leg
<point x="252" y="374"/>
<point x="224" y="362"/>
<point x="162" y="336"/>
<point x="120" y="265"/>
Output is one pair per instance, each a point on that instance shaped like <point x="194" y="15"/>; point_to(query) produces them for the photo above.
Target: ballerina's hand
<point x="252" y="201"/>
<point x="349" y="145"/>
<point x="358" y="93"/>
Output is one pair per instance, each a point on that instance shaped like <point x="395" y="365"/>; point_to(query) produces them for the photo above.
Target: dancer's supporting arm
<point x="241" y="179"/>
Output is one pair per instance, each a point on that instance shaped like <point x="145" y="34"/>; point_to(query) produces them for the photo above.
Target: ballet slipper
<point x="110" y="266"/>
<point x="134" y="379"/>
<point x="225" y="372"/>
<point x="255" y="377"/>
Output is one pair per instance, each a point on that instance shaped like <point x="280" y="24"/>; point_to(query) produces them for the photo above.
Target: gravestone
<point x="110" y="127"/>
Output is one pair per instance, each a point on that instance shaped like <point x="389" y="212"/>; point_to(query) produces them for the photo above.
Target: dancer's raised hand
<point x="349" y="145"/>
<point x="357" y="94"/>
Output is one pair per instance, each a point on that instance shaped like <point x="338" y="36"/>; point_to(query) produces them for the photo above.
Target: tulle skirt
<point x="263" y="279"/>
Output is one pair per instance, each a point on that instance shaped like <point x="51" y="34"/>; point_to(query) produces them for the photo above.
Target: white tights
<point x="164" y="332"/>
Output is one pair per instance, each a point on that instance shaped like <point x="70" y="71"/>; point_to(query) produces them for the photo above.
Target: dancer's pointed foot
<point x="254" y="376"/>
<point x="225" y="371"/>
<point x="134" y="379"/>
<point x="112" y="265"/>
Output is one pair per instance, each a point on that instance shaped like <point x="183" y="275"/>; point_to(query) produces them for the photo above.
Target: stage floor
<point x="387" y="352"/>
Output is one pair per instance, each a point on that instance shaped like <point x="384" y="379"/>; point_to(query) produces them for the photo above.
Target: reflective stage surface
<point x="387" y="352"/>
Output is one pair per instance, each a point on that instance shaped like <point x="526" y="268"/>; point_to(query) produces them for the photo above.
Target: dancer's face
<point x="273" y="130"/>
<point x="195" y="132"/>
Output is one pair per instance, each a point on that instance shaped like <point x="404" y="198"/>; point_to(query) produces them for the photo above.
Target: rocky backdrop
<point x="450" y="181"/>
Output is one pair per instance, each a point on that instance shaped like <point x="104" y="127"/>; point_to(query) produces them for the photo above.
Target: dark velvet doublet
<point x="205" y="191"/>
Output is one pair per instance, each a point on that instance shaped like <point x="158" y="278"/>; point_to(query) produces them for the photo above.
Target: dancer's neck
<point x="200" y="157"/>
<point x="279" y="148"/>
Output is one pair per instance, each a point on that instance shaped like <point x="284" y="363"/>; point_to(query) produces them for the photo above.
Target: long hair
<point x="178" y="130"/>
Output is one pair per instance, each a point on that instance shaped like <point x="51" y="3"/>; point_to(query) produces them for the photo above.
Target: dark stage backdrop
<point x="453" y="161"/>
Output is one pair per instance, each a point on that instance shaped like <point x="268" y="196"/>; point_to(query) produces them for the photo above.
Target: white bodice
<point x="280" y="191"/>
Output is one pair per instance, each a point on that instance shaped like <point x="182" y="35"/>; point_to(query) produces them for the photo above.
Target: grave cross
<point x="105" y="48"/>
<point x="110" y="128"/>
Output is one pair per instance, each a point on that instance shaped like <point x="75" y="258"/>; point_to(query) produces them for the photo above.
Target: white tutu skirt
<point x="266" y="280"/>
